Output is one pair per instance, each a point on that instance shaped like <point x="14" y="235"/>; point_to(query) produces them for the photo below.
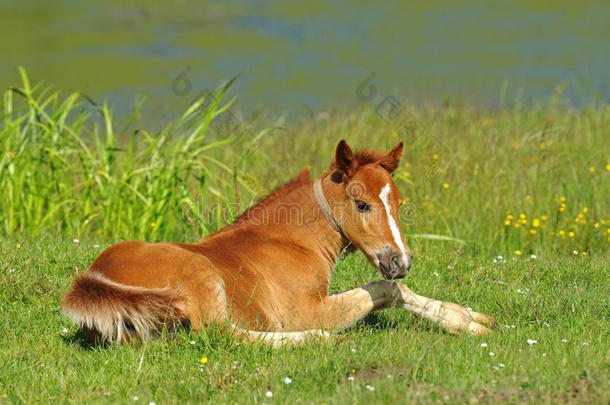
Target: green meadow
<point x="505" y="209"/>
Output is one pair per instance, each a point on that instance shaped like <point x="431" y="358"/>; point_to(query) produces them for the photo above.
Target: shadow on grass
<point x="79" y="338"/>
<point x="387" y="321"/>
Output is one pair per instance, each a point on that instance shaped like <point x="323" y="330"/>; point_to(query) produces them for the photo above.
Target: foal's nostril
<point x="395" y="262"/>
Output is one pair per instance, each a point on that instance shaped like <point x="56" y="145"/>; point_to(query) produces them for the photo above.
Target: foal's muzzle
<point x="393" y="264"/>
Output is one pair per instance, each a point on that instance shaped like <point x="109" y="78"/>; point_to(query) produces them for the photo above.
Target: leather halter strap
<point x="324" y="206"/>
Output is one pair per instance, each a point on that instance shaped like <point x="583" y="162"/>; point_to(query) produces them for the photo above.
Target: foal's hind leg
<point x="277" y="339"/>
<point x="210" y="306"/>
<point x="344" y="309"/>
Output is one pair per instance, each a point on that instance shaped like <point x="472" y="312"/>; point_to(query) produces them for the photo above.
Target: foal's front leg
<point x="452" y="317"/>
<point x="342" y="310"/>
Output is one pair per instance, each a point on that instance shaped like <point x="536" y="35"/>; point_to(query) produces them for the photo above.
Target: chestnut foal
<point x="267" y="275"/>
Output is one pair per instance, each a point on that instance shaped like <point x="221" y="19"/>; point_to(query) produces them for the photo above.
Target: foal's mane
<point x="302" y="178"/>
<point x="362" y="157"/>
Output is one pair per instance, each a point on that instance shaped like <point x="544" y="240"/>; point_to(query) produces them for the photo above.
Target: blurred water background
<point x="303" y="57"/>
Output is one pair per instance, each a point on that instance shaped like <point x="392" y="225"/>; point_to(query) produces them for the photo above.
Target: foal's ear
<point x="391" y="161"/>
<point x="344" y="159"/>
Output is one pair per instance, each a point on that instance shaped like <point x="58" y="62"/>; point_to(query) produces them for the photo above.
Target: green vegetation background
<point x="527" y="183"/>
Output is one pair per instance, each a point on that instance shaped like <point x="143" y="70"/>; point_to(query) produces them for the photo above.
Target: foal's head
<point x="366" y="203"/>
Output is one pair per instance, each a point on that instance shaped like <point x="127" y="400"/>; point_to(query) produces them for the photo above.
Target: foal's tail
<point x="113" y="312"/>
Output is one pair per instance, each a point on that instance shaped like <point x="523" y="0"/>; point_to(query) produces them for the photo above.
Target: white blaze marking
<point x="385" y="191"/>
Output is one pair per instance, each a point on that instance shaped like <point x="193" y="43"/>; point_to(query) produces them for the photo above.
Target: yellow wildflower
<point x="19" y="246"/>
<point x="591" y="169"/>
<point x="562" y="199"/>
<point x="509" y="216"/>
<point x="152" y="224"/>
<point x="585" y="210"/>
<point x="584" y="253"/>
<point x="204" y="360"/>
<point x="562" y="208"/>
<point x="608" y="168"/>
<point x="536" y="223"/>
<point x="562" y="233"/>
<point x="522" y="216"/>
<point x="435" y="157"/>
<point x="533" y="231"/>
<point x="507" y="223"/>
<point x="596" y="225"/>
<point x="445" y="185"/>
<point x="518" y="252"/>
<point x="544" y="217"/>
<point x="571" y="234"/>
<point x="516" y="225"/>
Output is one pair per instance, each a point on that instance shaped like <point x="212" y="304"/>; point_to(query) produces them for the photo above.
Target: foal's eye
<point x="362" y="206"/>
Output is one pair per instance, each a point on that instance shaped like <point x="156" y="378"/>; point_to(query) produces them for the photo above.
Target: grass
<point x="467" y="176"/>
